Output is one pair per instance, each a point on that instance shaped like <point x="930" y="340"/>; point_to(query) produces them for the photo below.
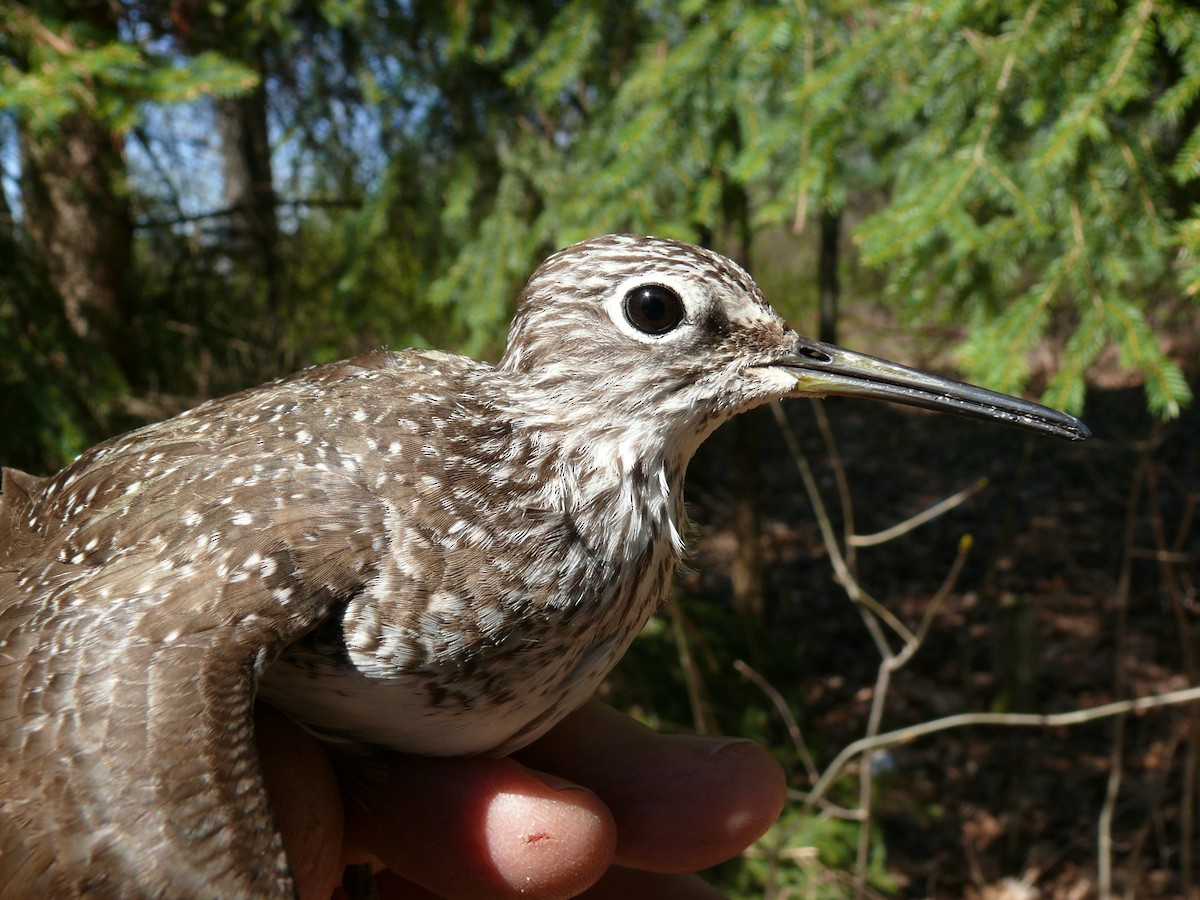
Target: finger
<point x="478" y="827"/>
<point x="390" y="886"/>
<point x="305" y="798"/>
<point x="620" y="883"/>
<point x="680" y="803"/>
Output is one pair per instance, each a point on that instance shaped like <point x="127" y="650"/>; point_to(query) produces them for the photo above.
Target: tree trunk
<point x="746" y="574"/>
<point x="1015" y="655"/>
<point x="8" y="230"/>
<point x="249" y="185"/>
<point x="827" y="275"/>
<point x="78" y="219"/>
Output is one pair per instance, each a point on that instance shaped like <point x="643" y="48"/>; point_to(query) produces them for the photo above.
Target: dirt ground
<point x="1080" y="589"/>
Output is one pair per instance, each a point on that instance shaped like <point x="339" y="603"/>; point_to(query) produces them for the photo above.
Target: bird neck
<point x="617" y="477"/>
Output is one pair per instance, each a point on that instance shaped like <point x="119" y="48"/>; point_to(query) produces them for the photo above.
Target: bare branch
<point x="935" y="604"/>
<point x="785" y="713"/>
<point x="840" y="569"/>
<point x="928" y="515"/>
<point x="1011" y="720"/>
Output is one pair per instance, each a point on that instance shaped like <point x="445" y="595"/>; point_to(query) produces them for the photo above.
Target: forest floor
<point x="1080" y="588"/>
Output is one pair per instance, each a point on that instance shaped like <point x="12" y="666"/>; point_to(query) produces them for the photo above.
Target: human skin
<point x="601" y="804"/>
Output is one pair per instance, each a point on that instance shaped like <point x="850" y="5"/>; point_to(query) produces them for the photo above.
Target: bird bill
<point x="824" y="369"/>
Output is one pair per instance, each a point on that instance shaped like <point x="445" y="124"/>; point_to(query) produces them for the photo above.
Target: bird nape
<point x="412" y="550"/>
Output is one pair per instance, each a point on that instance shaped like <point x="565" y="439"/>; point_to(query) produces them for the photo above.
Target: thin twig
<point x="883" y="683"/>
<point x="1104" y="885"/>
<point x="228" y="211"/>
<point x="1169" y="557"/>
<point x="872" y="612"/>
<point x="1012" y="720"/>
<point x="840" y="569"/>
<point x="1153" y="821"/>
<point x="863" y="599"/>
<point x="1169" y="579"/>
<point x="828" y="807"/>
<point x="1112" y="790"/>
<point x="935" y="604"/>
<point x="703" y="718"/>
<point x="785" y="713"/>
<point x="866" y="777"/>
<point x="909" y="524"/>
<point x="839" y="479"/>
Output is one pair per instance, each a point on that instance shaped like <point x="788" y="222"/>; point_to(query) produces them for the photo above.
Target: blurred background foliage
<point x="198" y="195"/>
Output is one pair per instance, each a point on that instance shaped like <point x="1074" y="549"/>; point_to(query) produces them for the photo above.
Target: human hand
<point x="599" y="801"/>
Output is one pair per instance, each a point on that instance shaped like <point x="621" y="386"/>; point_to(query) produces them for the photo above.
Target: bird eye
<point x="653" y="309"/>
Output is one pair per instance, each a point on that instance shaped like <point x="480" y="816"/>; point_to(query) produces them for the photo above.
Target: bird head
<point x="681" y="336"/>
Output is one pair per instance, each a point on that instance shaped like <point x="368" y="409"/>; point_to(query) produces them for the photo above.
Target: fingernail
<point x="707" y="744"/>
<point x="558" y="784"/>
